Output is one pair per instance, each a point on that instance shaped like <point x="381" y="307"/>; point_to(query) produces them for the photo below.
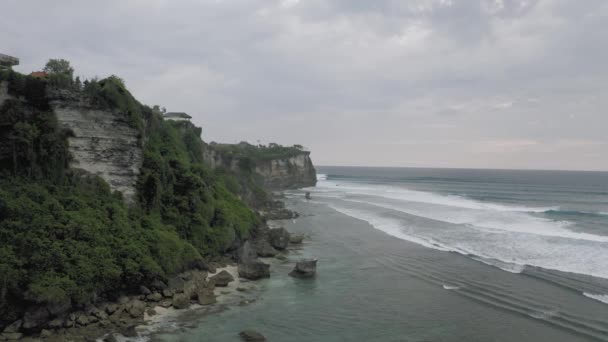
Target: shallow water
<point x="430" y="268"/>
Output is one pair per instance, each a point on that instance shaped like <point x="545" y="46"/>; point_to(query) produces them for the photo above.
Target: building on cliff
<point x="177" y="116"/>
<point x="7" y="61"/>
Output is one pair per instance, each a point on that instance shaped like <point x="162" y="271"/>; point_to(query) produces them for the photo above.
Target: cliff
<point x="103" y="143"/>
<point x="273" y="168"/>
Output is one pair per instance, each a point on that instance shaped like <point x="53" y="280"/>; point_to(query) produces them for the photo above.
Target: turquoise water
<point x="436" y="255"/>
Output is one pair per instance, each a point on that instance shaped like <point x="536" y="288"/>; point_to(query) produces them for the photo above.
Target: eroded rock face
<point x="254" y="270"/>
<point x="306" y="268"/>
<point x="103" y="144"/>
<point x="275" y="174"/>
<point x="278" y="238"/>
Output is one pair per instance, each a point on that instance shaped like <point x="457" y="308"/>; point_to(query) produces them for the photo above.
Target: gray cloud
<point x="488" y="83"/>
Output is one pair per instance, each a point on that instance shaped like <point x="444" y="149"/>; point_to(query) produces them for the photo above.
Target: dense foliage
<point x="255" y="153"/>
<point x="65" y="237"/>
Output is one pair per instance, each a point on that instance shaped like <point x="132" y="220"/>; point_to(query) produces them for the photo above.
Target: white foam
<point x="510" y="251"/>
<point x="321" y="177"/>
<point x="450" y="287"/>
<point x="600" y="297"/>
<point x="543" y="314"/>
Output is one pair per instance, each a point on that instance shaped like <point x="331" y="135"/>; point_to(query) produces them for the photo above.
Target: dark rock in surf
<point x="252" y="336"/>
<point x="305" y="269"/>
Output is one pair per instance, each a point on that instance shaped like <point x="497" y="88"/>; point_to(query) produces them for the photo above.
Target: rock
<point x="144" y="290"/>
<point x="254" y="270"/>
<point x="56" y="323"/>
<point x="110" y="338"/>
<point x="181" y="301"/>
<point x="278" y="238"/>
<point x="136" y="308"/>
<point x="206" y="297"/>
<point x="129" y="331"/>
<point x="212" y="268"/>
<point x="241" y="289"/>
<point x="252" y="336"/>
<point x="82" y="319"/>
<point x="158" y="285"/>
<point x="11" y="336"/>
<point x="264" y="249"/>
<point x="168" y="293"/>
<point x="165" y="303"/>
<point x="306" y="268"/>
<point x="45" y="333"/>
<point x="154" y="297"/>
<point x="223" y="278"/>
<point x="307" y="196"/>
<point x="199" y="264"/>
<point x="14" y="327"/>
<point x="35" y="317"/>
<point x="296" y="239"/>
<point x="176" y="284"/>
<point x="151" y="312"/>
<point x="111" y="308"/>
<point x="59" y="308"/>
<point x="123" y="300"/>
<point x="101" y="315"/>
<point x="246" y="252"/>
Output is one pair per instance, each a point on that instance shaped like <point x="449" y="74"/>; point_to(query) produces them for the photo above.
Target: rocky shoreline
<point x="199" y="287"/>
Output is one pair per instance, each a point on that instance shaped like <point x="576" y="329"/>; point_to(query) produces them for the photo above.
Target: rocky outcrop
<point x="103" y="142"/>
<point x="304" y="269"/>
<point x="292" y="172"/>
<point x="254" y="270"/>
<point x="278" y="238"/>
<point x="252" y="336"/>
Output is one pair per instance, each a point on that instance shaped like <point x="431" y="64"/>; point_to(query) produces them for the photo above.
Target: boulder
<point x="165" y="303"/>
<point x="136" y="308"/>
<point x="154" y="297"/>
<point x="222" y="279"/>
<point x="246" y="252"/>
<point x="306" y="268"/>
<point x="110" y="338"/>
<point x="11" y="336"/>
<point x="278" y="238"/>
<point x="254" y="270"/>
<point x="151" y="312"/>
<point x="111" y="308"/>
<point x="181" y="301"/>
<point x="56" y="323"/>
<point x="45" y="333"/>
<point x="176" y="284"/>
<point x="264" y="249"/>
<point x="129" y="331"/>
<point x="158" y="285"/>
<point x="13" y="327"/>
<point x="206" y="297"/>
<point x="57" y="309"/>
<point x="82" y="319"/>
<point x="144" y="290"/>
<point x="168" y="293"/>
<point x="296" y="239"/>
<point x="35" y="317"/>
<point x="252" y="336"/>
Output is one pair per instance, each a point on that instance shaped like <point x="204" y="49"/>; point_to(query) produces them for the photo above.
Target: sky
<point x="420" y="83"/>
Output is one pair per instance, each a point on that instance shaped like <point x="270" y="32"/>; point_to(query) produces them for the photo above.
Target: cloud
<point x="332" y="73"/>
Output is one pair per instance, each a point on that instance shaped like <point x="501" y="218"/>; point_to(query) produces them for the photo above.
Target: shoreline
<point x="237" y="293"/>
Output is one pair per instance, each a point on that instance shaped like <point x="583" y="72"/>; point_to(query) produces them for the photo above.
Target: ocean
<point x="409" y="254"/>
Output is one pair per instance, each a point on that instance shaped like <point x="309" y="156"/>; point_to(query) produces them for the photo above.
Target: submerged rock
<point x="222" y="279"/>
<point x="305" y="269"/>
<point x="252" y="336"/>
<point x="278" y="238"/>
<point x="254" y="270"/>
<point x="206" y="297"/>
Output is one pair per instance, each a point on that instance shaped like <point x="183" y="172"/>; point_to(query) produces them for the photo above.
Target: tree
<point x="61" y="74"/>
<point x="59" y="66"/>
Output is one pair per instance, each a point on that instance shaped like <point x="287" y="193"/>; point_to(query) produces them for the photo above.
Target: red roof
<point x="39" y="74"/>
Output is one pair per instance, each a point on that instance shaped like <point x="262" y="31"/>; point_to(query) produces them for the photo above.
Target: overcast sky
<point x="438" y="83"/>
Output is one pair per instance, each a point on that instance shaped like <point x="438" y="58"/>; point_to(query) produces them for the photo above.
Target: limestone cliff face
<point x="103" y="143"/>
<point x="274" y="174"/>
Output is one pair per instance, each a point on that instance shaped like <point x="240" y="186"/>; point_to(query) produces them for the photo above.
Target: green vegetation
<point x="244" y="151"/>
<point x="65" y="237"/>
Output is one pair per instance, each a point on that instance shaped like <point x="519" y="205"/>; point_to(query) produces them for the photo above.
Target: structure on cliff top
<point x="7" y="61"/>
<point x="177" y="116"/>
